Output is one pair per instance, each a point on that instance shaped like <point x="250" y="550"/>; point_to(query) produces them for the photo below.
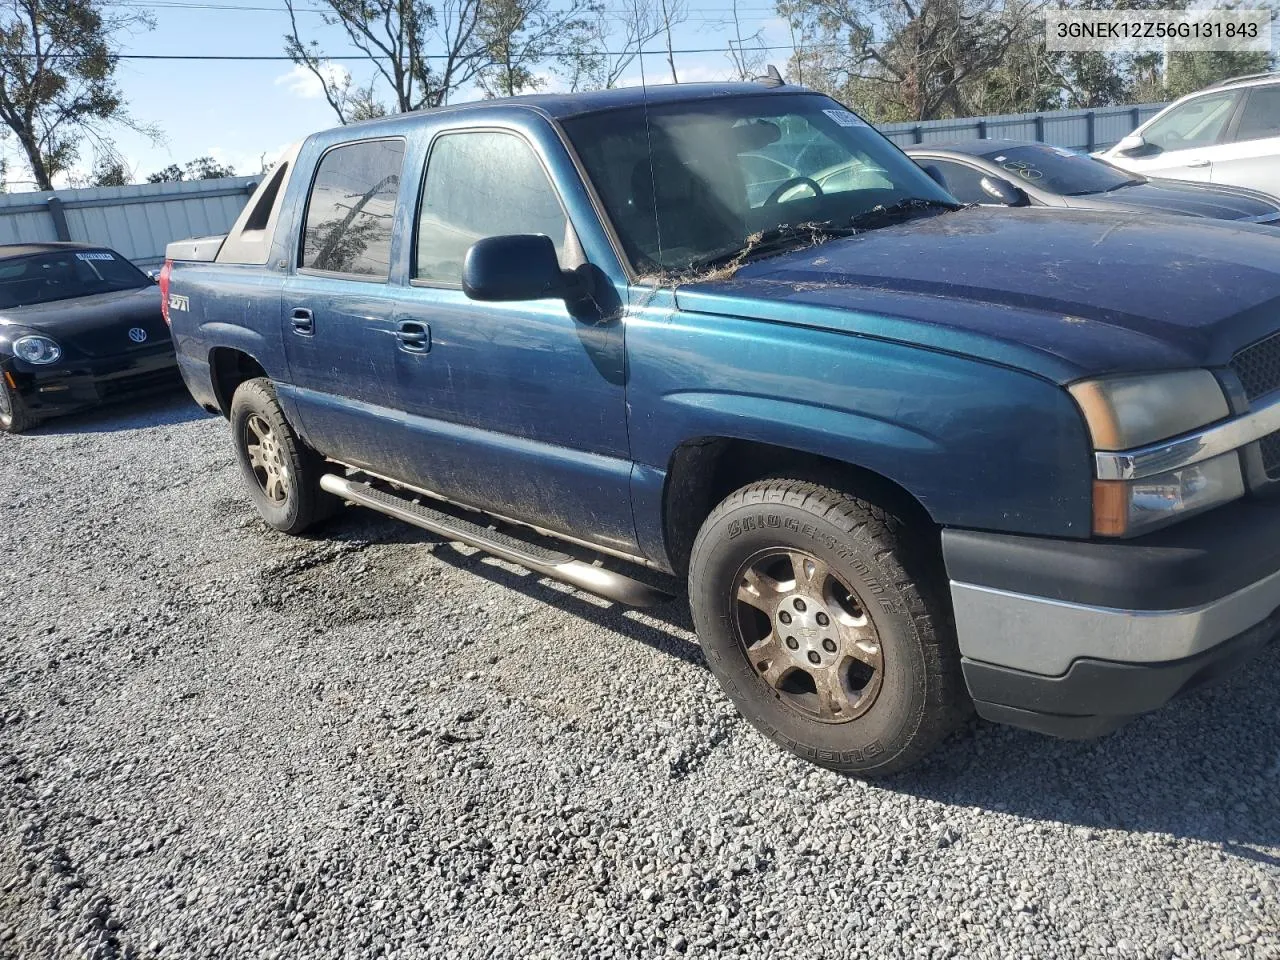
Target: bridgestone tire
<point x="921" y="695"/>
<point x="300" y="468"/>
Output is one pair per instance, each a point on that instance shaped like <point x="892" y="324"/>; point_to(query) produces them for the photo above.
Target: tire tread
<point x="946" y="704"/>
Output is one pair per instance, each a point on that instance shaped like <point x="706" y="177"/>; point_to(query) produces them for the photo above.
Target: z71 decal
<point x="179" y="302"/>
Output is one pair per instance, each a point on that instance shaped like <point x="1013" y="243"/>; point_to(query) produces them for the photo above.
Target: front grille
<point x="1258" y="366"/>
<point x="1270" y="447"/>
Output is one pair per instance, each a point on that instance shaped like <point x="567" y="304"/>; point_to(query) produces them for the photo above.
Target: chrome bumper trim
<point x="1184" y="451"/>
<point x="1045" y="636"/>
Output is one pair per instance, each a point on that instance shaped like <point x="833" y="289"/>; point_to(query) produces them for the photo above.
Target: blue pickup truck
<point x="913" y="458"/>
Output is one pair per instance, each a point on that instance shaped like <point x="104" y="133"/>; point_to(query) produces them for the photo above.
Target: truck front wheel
<point x="282" y="472"/>
<point x="810" y="620"/>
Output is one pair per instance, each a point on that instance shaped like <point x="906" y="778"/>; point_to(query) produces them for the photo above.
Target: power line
<point x="251" y="57"/>
<point x="702" y="16"/>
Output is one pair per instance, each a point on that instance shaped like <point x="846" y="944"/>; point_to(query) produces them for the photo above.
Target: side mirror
<point x="1003" y="192"/>
<point x="1133" y="143"/>
<point x="517" y="267"/>
<point x="935" y="175"/>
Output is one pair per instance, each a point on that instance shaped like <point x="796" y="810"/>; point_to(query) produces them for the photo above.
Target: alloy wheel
<point x="266" y="459"/>
<point x="808" y="635"/>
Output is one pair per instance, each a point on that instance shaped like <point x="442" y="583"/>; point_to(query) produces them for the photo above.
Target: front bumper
<point x="73" y="384"/>
<point x="1074" y="638"/>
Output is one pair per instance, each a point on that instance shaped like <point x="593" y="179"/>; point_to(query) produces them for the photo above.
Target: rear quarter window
<point x="351" y="210"/>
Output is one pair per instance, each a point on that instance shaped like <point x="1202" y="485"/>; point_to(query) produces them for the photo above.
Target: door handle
<point x="1197" y="163"/>
<point x="414" y="336"/>
<point x="303" y="322"/>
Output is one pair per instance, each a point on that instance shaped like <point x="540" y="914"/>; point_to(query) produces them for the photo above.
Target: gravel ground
<point x="216" y="741"/>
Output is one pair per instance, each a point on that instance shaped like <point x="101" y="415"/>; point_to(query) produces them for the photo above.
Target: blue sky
<point x="238" y="111"/>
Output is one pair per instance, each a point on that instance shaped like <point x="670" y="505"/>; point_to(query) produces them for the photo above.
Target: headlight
<point x="36" y="349"/>
<point x="1127" y="412"/>
<point x="1123" y="508"/>
<point x="1124" y="413"/>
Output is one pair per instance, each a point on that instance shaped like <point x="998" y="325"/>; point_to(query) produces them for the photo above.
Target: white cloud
<point x="301" y="82"/>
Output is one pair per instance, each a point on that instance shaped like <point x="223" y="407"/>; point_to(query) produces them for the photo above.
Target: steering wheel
<point x="793" y="182"/>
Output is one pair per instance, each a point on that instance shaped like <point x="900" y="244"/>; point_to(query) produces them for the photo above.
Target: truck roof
<point x="560" y="106"/>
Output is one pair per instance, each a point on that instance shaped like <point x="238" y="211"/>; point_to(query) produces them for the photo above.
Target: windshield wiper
<point x="882" y="216"/>
<point x="1126" y="183"/>
<point x="774" y="240"/>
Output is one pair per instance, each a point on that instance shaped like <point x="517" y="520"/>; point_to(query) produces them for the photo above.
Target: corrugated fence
<point x="139" y="220"/>
<point x="1077" y="129"/>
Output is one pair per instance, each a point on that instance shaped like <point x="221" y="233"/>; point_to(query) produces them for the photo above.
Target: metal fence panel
<point x="137" y="220"/>
<point x="1094" y="129"/>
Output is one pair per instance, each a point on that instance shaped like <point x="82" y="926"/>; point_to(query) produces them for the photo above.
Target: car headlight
<point x="37" y="349"/>
<point x="1126" y="413"/>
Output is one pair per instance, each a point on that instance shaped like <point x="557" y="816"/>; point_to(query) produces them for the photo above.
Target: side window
<point x="963" y="182"/>
<point x="351" y="209"/>
<point x="1261" y="114"/>
<point x="481" y="184"/>
<point x="1197" y="123"/>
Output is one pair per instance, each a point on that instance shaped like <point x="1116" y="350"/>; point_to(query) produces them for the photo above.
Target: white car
<point x="1229" y="133"/>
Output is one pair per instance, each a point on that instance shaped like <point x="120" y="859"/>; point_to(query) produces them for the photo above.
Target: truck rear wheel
<point x="810" y="620"/>
<point x="282" y="473"/>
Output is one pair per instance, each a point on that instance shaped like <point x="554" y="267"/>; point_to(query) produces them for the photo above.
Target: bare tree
<point x="674" y="12"/>
<point x="609" y="43"/>
<point x="518" y="35"/>
<point x="57" y="81"/>
<point x="747" y="54"/>
<point x="423" y="52"/>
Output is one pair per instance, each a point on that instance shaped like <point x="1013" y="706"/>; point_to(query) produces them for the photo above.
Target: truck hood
<point x="1062" y="293"/>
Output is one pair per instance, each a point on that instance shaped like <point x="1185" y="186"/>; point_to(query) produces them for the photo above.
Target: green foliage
<point x="57" y="80"/>
<point x="897" y="60"/>
<point x="110" y="173"/>
<point x="202" y="168"/>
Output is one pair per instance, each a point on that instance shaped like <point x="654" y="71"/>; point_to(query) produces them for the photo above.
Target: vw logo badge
<point x="137" y="335"/>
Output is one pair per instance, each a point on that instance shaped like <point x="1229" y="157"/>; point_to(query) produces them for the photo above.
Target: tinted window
<point x="60" y="276"/>
<point x="963" y="183"/>
<point x="1196" y="123"/>
<point x="350" y="212"/>
<point x="1059" y="171"/>
<point x="1261" y="114"/>
<point x="478" y="185"/>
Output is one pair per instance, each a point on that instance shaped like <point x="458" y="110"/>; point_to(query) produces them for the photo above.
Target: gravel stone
<point x="219" y="742"/>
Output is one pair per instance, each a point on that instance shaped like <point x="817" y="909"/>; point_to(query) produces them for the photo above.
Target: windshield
<point x="722" y="171"/>
<point x="47" y="277"/>
<point x="1058" y="170"/>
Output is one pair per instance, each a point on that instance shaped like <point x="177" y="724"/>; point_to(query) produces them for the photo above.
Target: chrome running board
<point x="551" y="563"/>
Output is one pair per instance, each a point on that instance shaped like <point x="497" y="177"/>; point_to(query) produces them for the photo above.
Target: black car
<point x="78" y="325"/>
<point x="1017" y="173"/>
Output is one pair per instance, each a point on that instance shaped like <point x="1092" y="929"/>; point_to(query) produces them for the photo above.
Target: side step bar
<point x="551" y="563"/>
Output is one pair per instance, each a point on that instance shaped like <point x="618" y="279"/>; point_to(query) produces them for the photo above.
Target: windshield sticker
<point x="844" y="118"/>
<point x="1001" y="159"/>
<point x="94" y="256"/>
<point x="1023" y="169"/>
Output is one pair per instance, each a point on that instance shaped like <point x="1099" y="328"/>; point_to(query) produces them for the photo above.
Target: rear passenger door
<point x="1251" y="157"/>
<point x="337" y="308"/>
<point x="515" y="407"/>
